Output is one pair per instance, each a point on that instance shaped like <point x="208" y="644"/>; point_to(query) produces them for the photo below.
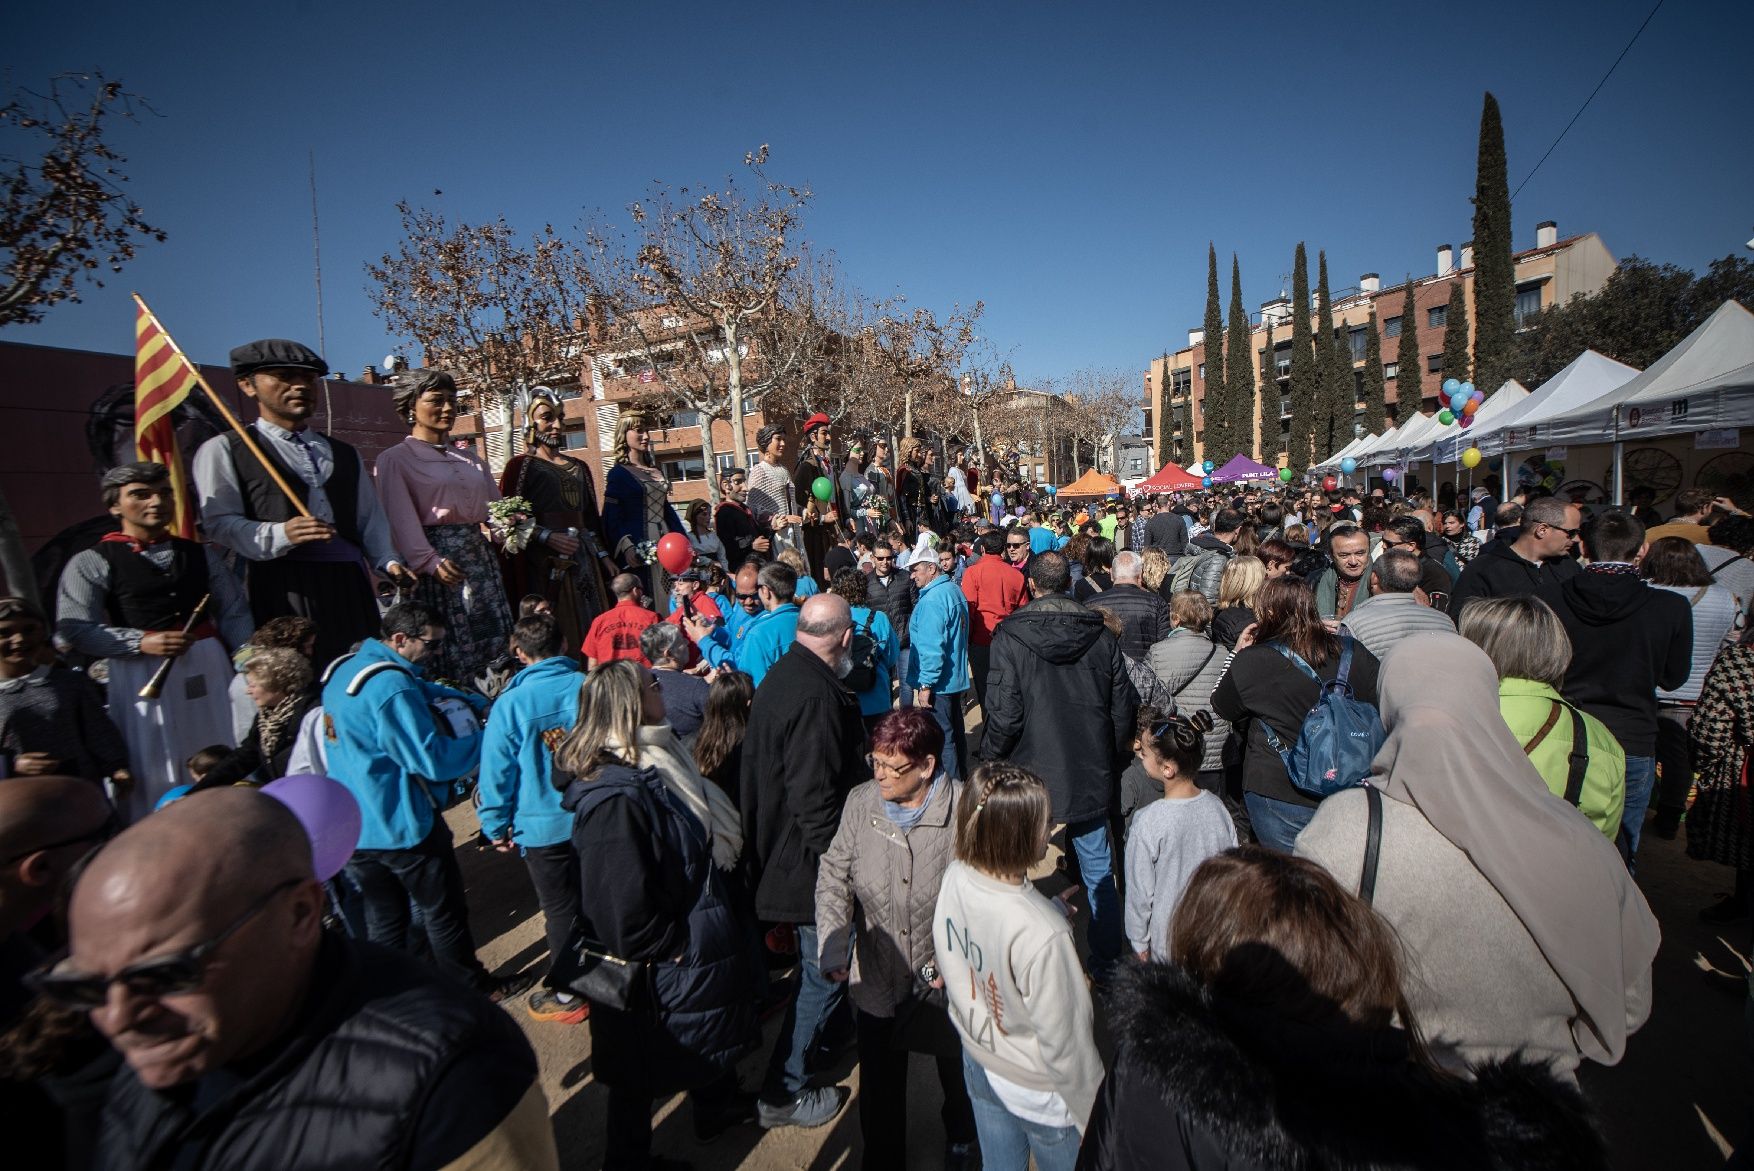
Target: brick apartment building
<point x="1550" y="273"/>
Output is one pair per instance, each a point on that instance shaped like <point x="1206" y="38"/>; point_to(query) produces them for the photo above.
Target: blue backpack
<point x="1340" y="735"/>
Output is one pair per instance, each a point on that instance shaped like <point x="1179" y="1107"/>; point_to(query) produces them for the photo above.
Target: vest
<point x="264" y="501"/>
<point x="144" y="597"/>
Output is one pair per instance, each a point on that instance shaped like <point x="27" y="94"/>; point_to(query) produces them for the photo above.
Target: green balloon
<point x="1285" y="475"/>
<point x="1446" y="416"/>
<point x="822" y="489"/>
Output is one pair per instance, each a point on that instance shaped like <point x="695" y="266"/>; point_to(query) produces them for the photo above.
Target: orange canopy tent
<point x="1092" y="485"/>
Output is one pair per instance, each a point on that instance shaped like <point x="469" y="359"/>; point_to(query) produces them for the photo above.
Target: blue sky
<point x="1066" y="163"/>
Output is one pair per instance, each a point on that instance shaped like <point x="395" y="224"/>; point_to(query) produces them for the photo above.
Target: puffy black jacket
<point x="1194" y="1088"/>
<point x="803" y="752"/>
<point x="1627" y="640"/>
<point x="895" y="599"/>
<point x="649" y="892"/>
<point x="1144" y="616"/>
<point x="1500" y="573"/>
<point x="389" y="1065"/>
<point x="1060" y="704"/>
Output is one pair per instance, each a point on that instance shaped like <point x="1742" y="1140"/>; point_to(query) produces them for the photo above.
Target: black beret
<point x="275" y="351"/>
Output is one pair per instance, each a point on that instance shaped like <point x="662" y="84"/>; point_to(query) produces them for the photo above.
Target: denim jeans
<point x="1641" y="776"/>
<point x="1276" y="823"/>
<point x="788" y="1070"/>
<point x="1090" y="843"/>
<point x="905" y="692"/>
<point x="1008" y="1141"/>
<point x="428" y="876"/>
<point x="947" y="710"/>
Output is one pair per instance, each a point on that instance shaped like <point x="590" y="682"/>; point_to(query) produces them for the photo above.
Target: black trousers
<point x="428" y="876"/>
<point x="628" y="1133"/>
<point x="883" y="1095"/>
<point x="1675" y="758"/>
<point x="554" y="872"/>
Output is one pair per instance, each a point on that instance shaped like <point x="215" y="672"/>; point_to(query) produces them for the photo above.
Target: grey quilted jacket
<point x="879" y="886"/>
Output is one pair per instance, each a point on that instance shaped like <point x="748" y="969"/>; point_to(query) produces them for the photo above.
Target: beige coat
<point x="879" y="886"/>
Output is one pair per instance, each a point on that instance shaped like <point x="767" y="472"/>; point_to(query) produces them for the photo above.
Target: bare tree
<point x="1102" y="406"/>
<point x="710" y="272"/>
<point x="64" y="217"/>
<point x="503" y="313"/>
<point x="921" y="353"/>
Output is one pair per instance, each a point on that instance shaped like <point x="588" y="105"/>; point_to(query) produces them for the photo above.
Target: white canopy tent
<point x="1398" y="441"/>
<point x="1588" y="378"/>
<point x="1347" y="452"/>
<point x="1370" y="447"/>
<point x="1451" y="441"/>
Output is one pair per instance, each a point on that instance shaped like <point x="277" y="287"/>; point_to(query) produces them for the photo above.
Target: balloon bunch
<point x="1464" y="400"/>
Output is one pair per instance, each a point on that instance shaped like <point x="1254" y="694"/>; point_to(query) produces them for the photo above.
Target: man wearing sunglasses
<point x="253" y="1038"/>
<point x="1539" y="560"/>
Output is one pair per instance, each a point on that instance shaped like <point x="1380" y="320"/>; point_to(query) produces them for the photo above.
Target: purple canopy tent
<point x="1242" y="470"/>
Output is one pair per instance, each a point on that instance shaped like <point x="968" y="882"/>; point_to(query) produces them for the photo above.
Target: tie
<point x="298" y="437"/>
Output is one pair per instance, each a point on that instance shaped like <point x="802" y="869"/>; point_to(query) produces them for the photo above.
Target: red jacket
<point x="993" y="589"/>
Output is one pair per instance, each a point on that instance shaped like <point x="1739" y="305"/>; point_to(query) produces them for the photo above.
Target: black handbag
<point x="605" y="980"/>
<point x="922" y="1023"/>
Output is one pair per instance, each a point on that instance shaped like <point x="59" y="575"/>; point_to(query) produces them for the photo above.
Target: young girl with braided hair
<point x="1012" y="980"/>
<point x="1170" y="837"/>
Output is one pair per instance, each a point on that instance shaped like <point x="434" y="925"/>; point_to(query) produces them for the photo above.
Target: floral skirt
<point x="477" y="620"/>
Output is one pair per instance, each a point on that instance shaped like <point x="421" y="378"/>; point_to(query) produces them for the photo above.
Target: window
<point x="1528" y="303"/>
<point x="1437" y="316"/>
<point x="1137" y="464"/>
<point x="1202" y="371"/>
<point x="575" y="439"/>
<point x="679" y="470"/>
<point x="1179" y="381"/>
<point x="1391" y="327"/>
<point x="1434" y="363"/>
<point x="1389" y="370"/>
<point x="1282" y="359"/>
<point x="685" y="419"/>
<point x="1359" y="340"/>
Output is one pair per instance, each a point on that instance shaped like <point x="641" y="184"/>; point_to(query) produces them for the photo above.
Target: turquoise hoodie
<point x="938" y="634"/>
<point x="516" y="794"/>
<point x="385" y="745"/>
<point x="765" y="639"/>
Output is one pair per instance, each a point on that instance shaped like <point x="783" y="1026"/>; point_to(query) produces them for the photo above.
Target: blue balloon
<point x="1050" y="490"/>
<point x="172" y="795"/>
<point x="1468" y="389"/>
<point x="1207" y="481"/>
<point x="1348" y="465"/>
<point x="1451" y="385"/>
<point x="1208" y="465"/>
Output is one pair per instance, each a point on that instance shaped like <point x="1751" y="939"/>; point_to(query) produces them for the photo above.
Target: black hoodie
<point x="1060" y="704"/>
<point x="1500" y="572"/>
<point x="1627" y="640"/>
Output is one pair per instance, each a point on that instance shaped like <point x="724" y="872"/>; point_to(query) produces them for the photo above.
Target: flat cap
<point x="275" y="351"/>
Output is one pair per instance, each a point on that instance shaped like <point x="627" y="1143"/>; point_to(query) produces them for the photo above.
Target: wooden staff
<point x="225" y="412"/>
<point x="155" y="684"/>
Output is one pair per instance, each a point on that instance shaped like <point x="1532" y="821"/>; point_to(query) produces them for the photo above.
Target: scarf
<point x="134" y="543"/>
<point x="658" y="748"/>
<point x="1451" y="756"/>
<point x="904" y="818"/>
<point x="276" y="724"/>
<point x="1621" y="568"/>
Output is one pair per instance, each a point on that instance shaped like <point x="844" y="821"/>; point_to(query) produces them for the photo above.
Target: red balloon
<point x="674" y="552"/>
<point x="1329" y="483"/>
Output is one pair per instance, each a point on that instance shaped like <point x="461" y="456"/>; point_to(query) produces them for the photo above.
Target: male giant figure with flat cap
<point x="308" y="565"/>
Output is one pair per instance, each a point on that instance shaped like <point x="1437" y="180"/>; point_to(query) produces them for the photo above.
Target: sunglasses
<point x="170" y="975"/>
<point x="741" y="597"/>
<point x="103" y="833"/>
<point x="882" y="558"/>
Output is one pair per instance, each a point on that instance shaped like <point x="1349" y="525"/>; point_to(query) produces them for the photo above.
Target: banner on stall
<point x="1723" y="437"/>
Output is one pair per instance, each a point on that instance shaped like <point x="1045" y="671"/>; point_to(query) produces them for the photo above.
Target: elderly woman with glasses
<point x="876" y="890"/>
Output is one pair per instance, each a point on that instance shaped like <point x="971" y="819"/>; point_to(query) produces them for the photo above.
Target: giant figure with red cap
<point x="821" y="517"/>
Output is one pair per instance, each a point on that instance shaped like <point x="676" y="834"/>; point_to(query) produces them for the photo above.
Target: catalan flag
<point x="163" y="378"/>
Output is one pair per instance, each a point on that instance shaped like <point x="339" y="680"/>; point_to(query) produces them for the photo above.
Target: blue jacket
<point x="516" y="794"/>
<point x="875" y="700"/>
<point x="765" y="639"/>
<point x="385" y="744"/>
<point x="721" y="648"/>
<point x="938" y="634"/>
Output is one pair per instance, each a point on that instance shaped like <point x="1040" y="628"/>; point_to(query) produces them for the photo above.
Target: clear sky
<point x="1064" y="162"/>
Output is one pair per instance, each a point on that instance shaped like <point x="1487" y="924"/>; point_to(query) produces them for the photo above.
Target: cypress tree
<point x="1494" y="271"/>
<point x="1328" y="393"/>
<point x="1375" y="419"/>
<point x="1217" y="428"/>
<point x="1269" y="405"/>
<point x="1455" y="334"/>
<point x="1305" y="372"/>
<point x="1165" y="416"/>
<point x="1239" y="367"/>
<point x="1410" y="378"/>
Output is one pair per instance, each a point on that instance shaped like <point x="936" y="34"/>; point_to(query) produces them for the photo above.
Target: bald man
<point x="803" y="752"/>
<point x="252" y="1038"/>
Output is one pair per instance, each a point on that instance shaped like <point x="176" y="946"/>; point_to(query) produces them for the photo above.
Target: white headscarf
<point x="1450" y="755"/>
<point x="659" y="749"/>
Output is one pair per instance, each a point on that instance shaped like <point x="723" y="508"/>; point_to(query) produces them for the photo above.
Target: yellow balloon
<point x="1471" y="458"/>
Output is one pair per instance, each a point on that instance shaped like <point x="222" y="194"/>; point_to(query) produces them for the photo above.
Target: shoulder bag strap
<point x="1552" y="718"/>
<point x="1345" y="659"/>
<point x="1296" y="660"/>
<point x="1372" y="844"/>
<point x="1728" y="561"/>
<point x="1699" y="595"/>
<point x="1197" y="671"/>
<point x="1579" y="760"/>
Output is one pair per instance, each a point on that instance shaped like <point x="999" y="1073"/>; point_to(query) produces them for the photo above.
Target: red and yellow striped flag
<point x="163" y="378"/>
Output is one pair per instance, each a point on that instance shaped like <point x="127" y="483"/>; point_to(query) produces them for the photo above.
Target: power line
<point x="1588" y="100"/>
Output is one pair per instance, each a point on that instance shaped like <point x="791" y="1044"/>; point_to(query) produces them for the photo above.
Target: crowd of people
<point x="1324" y="806"/>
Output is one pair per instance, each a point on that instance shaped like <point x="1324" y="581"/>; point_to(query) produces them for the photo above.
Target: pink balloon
<point x="329" y="814"/>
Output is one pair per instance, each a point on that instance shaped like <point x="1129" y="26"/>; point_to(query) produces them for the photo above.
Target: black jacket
<point x="1167" y="531"/>
<point x="650" y="893"/>
<point x="1144" y="616"/>
<point x="389" y="1065"/>
<point x="803" y="752"/>
<point x="247" y="759"/>
<point x="1195" y="1087"/>
<point x="737" y="532"/>
<point x="1228" y="625"/>
<point x="1500" y="573"/>
<point x="1263" y="684"/>
<point x="1060" y="704"/>
<point x="895" y="599"/>
<point x="1627" y="640"/>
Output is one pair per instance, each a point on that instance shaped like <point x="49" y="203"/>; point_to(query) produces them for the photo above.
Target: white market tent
<point x="1350" y="449"/>
<point x="1398" y="441"/>
<point x="1197" y="468"/>
<point x="1705" y="382"/>
<point x="1370" y="447"/>
<point x="1588" y="378"/>
<point x="1455" y="439"/>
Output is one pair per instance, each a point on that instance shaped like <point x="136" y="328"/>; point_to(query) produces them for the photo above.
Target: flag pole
<point x="225" y="411"/>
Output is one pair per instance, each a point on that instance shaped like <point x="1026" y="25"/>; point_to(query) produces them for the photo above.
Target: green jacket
<point x="1525" y="706"/>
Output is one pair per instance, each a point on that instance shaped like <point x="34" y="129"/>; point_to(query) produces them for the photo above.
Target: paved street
<point x="1680" y="1096"/>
